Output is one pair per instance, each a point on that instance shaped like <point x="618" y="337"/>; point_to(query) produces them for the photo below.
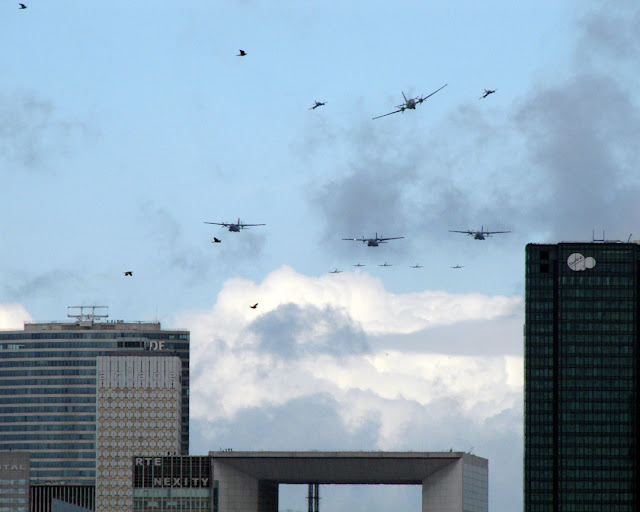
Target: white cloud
<point x="13" y="316"/>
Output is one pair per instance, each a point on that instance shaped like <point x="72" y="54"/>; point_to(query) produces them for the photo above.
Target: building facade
<point x="138" y="405"/>
<point x="48" y="389"/>
<point x="173" y="483"/>
<point x="14" y="481"/>
<point x="582" y="319"/>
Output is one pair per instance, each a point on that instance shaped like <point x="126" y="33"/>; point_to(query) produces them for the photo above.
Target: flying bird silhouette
<point x="241" y="54"/>
<point x="128" y="273"/>
<point x="254" y="306"/>
<point x="22" y="6"/>
<point x="215" y="240"/>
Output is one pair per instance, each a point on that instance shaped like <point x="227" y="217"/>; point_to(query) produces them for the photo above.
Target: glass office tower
<point x="48" y="389"/>
<point x="581" y="377"/>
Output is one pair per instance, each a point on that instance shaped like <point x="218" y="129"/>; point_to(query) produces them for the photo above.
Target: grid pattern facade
<point x="138" y="402"/>
<point x="14" y="482"/>
<point x="46" y="498"/>
<point x="173" y="484"/>
<point x="48" y="391"/>
<point x="581" y="377"/>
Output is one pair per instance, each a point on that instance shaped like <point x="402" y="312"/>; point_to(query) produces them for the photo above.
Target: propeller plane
<point x="234" y="226"/>
<point x="410" y="103"/>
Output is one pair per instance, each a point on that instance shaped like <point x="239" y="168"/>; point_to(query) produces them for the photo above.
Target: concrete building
<point x="582" y="377"/>
<point x="138" y="404"/>
<point x="48" y="389"/>
<point x="451" y="481"/>
<point x="14" y="481"/>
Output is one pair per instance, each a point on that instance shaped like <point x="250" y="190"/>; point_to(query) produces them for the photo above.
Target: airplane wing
<point x="392" y="238"/>
<point x="217" y="223"/>
<point x="248" y="225"/>
<point x="494" y="232"/>
<point x="422" y="99"/>
<point x="465" y="232"/>
<point x="356" y="239"/>
<point x="384" y="115"/>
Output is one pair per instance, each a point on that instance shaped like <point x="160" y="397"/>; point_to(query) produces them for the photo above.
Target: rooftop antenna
<point x="594" y="239"/>
<point x="86" y="316"/>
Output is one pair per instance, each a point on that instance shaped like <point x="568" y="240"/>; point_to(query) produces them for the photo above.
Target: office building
<point x="14" y="481"/>
<point x="173" y="483"/>
<point x="582" y="319"/>
<point x="138" y="413"/>
<point x="48" y="389"/>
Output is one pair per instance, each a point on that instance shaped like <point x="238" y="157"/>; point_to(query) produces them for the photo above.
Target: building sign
<point x="172" y="472"/>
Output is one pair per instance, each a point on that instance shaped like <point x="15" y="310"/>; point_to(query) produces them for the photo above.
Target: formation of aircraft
<point x="487" y="92"/>
<point x="373" y="242"/>
<point x="410" y="103"/>
<point x="318" y="104"/>
<point x="234" y="226"/>
<point x="479" y="235"/>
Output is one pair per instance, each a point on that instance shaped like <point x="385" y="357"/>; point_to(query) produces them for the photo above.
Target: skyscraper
<point x="582" y="335"/>
<point x="48" y="389"/>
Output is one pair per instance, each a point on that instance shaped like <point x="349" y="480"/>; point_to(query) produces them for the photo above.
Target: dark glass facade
<point x="581" y="377"/>
<point x="48" y="391"/>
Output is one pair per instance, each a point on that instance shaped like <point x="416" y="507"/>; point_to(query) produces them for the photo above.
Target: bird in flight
<point x="487" y="92"/>
<point x="128" y="273"/>
<point x="216" y="240"/>
<point x="241" y="54"/>
<point x="254" y="306"/>
<point x="22" y="6"/>
<point x="318" y="104"/>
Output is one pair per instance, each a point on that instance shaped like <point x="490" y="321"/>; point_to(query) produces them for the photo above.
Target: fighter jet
<point x="373" y="242"/>
<point x="479" y="235"/>
<point x="487" y="92"/>
<point x="241" y="54"/>
<point x="234" y="226"/>
<point x="318" y="104"/>
<point x="410" y="103"/>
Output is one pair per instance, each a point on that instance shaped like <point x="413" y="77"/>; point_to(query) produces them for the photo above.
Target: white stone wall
<point x="138" y="413"/>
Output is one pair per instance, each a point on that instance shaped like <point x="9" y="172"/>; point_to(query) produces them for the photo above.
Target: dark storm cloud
<point x="308" y="423"/>
<point x="23" y="286"/>
<point x="31" y="132"/>
<point x="292" y="331"/>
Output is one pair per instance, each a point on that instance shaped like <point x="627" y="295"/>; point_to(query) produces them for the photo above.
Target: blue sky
<point x="125" y="125"/>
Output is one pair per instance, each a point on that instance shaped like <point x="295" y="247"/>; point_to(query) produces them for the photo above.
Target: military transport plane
<point x="235" y="227"/>
<point x="479" y="235"/>
<point x="410" y="103"/>
<point x="373" y="242"/>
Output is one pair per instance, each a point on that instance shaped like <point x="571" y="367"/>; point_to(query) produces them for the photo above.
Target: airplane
<point x="385" y="264"/>
<point x="241" y="54"/>
<point x="479" y="235"/>
<point x="336" y="271"/>
<point x="373" y="242"/>
<point x="410" y="103"/>
<point x="235" y="227"/>
<point x="359" y="265"/>
<point x="457" y="266"/>
<point x="487" y="92"/>
<point x="318" y="104"/>
<point x="416" y="266"/>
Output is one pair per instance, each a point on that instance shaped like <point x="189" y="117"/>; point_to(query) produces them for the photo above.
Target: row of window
<point x="48" y="409"/>
<point x="621" y="360"/>
<point x="62" y="381"/>
<point x="58" y="372"/>
<point x="50" y="400"/>
<point x="48" y="391"/>
<point x="34" y="445"/>
<point x="49" y="437"/>
<point x="92" y="335"/>
<point x="52" y="419"/>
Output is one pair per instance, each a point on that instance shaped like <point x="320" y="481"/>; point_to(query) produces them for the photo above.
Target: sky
<point x="125" y="126"/>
